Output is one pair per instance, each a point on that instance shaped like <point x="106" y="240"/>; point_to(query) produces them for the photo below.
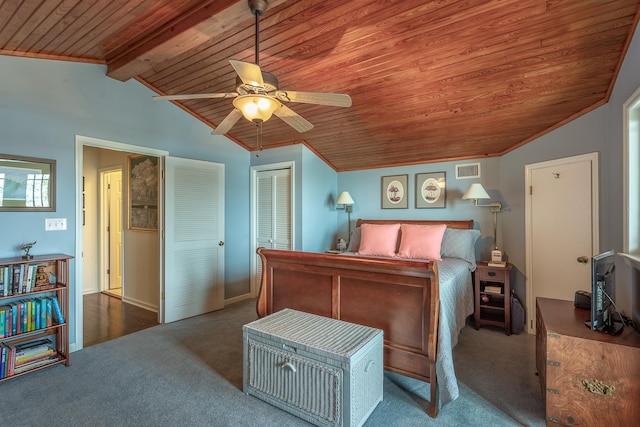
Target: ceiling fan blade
<point x="228" y="122"/>
<point x="293" y="119"/>
<point x="318" y="98"/>
<point x="194" y="96"/>
<point x="249" y="73"/>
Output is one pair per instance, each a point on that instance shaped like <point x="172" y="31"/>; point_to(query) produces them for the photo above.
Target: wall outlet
<point x="55" y="224"/>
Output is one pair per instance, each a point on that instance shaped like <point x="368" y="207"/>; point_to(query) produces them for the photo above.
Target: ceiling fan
<point x="257" y="94"/>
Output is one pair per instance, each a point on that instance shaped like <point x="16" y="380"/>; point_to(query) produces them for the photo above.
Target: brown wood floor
<point x="106" y="318"/>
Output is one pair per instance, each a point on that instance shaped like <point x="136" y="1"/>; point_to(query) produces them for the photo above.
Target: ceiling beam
<point x="208" y="21"/>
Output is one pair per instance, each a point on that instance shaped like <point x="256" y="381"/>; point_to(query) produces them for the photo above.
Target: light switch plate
<point x="55" y="224"/>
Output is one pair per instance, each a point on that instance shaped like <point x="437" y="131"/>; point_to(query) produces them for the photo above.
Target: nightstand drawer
<point x="497" y="274"/>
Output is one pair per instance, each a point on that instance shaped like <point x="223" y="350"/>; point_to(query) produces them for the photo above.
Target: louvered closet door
<point x="194" y="227"/>
<point x="273" y="212"/>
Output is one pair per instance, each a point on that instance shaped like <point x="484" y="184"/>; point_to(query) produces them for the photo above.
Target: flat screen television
<point x="604" y="314"/>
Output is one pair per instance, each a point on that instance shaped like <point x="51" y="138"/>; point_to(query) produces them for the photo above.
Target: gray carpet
<point x="190" y="373"/>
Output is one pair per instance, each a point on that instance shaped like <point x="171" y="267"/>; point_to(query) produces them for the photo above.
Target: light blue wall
<point x="365" y="188"/>
<point x="318" y="200"/>
<point x="44" y="104"/>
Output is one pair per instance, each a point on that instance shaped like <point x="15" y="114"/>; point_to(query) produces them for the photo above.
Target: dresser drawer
<point x="497" y="274"/>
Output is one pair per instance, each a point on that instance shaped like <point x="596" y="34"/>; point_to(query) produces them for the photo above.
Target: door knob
<point x="220" y="243"/>
<point x="583" y="259"/>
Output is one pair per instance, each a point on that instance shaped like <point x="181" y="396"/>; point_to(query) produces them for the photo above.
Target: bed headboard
<point x="464" y="224"/>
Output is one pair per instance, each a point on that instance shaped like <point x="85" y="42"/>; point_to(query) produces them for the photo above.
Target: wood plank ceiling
<point x="430" y="80"/>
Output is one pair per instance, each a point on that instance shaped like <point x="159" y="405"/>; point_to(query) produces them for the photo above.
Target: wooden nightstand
<point x="492" y="296"/>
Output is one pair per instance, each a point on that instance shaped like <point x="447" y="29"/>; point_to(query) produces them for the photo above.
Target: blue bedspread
<point x="456" y="304"/>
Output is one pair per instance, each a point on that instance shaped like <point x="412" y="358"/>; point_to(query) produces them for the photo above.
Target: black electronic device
<point x="582" y="299"/>
<point x="603" y="309"/>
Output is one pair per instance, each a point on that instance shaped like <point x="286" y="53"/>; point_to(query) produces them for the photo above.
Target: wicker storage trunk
<point x="325" y="371"/>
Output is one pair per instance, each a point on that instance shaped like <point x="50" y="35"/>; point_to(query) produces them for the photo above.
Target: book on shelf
<point x="57" y="312"/>
<point x="497" y="263"/>
<point x="49" y="315"/>
<point x="3" y="319"/>
<point x="491" y="289"/>
<point x="28" y="353"/>
<point x="36" y="364"/>
<point x="29" y="277"/>
<point x="3" y="359"/>
<point x="45" y="275"/>
<point x="16" y="279"/>
<point x="2" y="268"/>
<point x="33" y="350"/>
<point x="14" y="318"/>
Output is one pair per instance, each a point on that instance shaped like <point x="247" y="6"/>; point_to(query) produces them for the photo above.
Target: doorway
<point x="111" y="282"/>
<point x="561" y="221"/>
<point x="100" y="317"/>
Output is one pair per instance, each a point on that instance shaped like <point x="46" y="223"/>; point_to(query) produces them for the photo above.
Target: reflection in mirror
<point x="27" y="184"/>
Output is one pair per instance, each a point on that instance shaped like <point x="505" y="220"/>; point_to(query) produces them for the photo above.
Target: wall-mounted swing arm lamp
<point x="347" y="203"/>
<point x="477" y="192"/>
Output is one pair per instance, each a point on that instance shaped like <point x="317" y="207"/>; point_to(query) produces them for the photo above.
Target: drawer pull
<point x="598" y="387"/>
<point x="492" y="273"/>
<point x="289" y="366"/>
<point x="368" y="366"/>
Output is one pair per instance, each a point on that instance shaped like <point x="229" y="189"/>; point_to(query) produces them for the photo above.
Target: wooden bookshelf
<point x="29" y="288"/>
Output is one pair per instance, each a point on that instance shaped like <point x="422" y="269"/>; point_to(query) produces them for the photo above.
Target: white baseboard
<point x="236" y="299"/>
<point x="140" y="304"/>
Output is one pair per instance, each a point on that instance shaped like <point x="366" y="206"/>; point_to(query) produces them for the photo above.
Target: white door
<point x="562" y="228"/>
<point x="115" y="229"/>
<point x="194" y="238"/>
<point x="272" y="212"/>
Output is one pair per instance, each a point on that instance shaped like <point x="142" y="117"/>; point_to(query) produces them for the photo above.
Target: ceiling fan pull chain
<point x="258" y="137"/>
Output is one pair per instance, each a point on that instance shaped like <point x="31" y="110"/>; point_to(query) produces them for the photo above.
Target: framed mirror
<point x="27" y="184"/>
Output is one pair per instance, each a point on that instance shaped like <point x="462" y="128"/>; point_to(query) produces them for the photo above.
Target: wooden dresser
<point x="571" y="359"/>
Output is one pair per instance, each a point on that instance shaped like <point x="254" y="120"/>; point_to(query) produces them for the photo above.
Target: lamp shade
<point x="256" y="107"/>
<point x="345" y="199"/>
<point x="476" y="191"/>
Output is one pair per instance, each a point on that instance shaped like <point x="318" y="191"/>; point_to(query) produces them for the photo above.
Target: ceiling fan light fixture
<point x="256" y="107"/>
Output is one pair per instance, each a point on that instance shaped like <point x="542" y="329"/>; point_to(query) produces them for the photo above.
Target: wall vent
<point x="469" y="170"/>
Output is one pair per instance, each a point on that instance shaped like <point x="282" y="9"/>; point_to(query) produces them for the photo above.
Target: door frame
<point x="595" y="219"/>
<point x="254" y="286"/>
<point x="104" y="255"/>
<point x="82" y="141"/>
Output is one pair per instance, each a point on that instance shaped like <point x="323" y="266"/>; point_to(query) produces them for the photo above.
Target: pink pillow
<point x="378" y="239"/>
<point x="421" y="241"/>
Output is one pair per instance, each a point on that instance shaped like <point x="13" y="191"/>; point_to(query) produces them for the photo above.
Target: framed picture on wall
<point x="27" y="184"/>
<point x="143" y="193"/>
<point x="394" y="192"/>
<point x="431" y="190"/>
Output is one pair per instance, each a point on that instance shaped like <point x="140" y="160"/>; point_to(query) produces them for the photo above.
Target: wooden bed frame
<point x="400" y="297"/>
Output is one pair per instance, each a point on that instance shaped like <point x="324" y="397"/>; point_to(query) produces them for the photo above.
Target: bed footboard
<point x="399" y="297"/>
